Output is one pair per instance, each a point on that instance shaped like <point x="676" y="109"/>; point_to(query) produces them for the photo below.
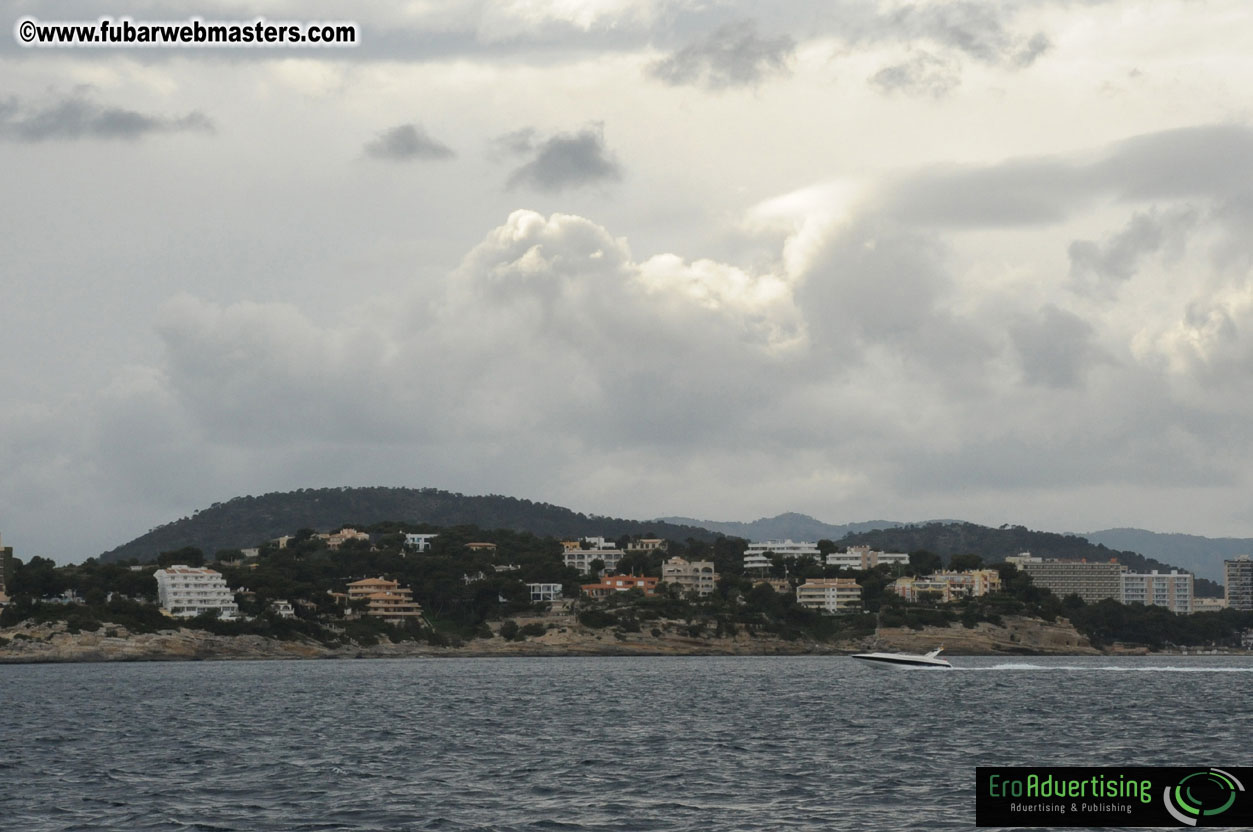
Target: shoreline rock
<point x="50" y="643"/>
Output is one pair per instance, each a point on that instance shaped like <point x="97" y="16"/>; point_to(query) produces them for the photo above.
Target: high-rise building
<point x="1173" y="591"/>
<point x="1238" y="583"/>
<point x="757" y="555"/>
<point x="1092" y="582"/>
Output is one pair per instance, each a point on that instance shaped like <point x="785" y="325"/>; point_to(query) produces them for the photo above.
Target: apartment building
<point x="692" y="576"/>
<point x="863" y="557"/>
<point x="757" y="555"/>
<point x="188" y="591"/>
<point x="544" y="592"/>
<point x="1238" y="583"/>
<point x="1173" y="591"/>
<point x="386" y="599"/>
<point x="830" y="594"/>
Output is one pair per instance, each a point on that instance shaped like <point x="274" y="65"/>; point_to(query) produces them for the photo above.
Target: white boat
<point x="931" y="659"/>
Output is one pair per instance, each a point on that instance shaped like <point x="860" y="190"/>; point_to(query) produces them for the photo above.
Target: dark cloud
<point x="978" y="30"/>
<point x="77" y="116"/>
<point x="1055" y="348"/>
<point x="922" y="74"/>
<point x="1033" y="49"/>
<point x="515" y="142"/>
<point x="734" y="55"/>
<point x="568" y="160"/>
<point x="1117" y="258"/>
<point x="406" y="142"/>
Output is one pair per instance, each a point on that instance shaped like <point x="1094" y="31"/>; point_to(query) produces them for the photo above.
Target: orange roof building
<point x="621" y="583"/>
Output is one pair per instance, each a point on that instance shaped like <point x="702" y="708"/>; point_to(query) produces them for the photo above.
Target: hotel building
<point x="188" y="591"/>
<point x="386" y="599"/>
<point x="1092" y="582"/>
<point x="620" y="583"/>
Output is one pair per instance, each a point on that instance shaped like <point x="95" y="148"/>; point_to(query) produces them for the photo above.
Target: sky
<point x="858" y="259"/>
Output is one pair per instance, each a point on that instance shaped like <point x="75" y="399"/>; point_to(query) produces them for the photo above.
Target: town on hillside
<point x="397" y="581"/>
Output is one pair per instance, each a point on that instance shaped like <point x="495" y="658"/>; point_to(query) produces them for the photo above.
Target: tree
<point x="825" y="547"/>
<point x="186" y="556"/>
<point x="961" y="563"/>
<point x="923" y="562"/>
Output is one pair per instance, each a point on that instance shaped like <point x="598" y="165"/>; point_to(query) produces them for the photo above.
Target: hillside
<point x="947" y="539"/>
<point x="1200" y="555"/>
<point x="247" y="521"/>
<point x="783" y="526"/>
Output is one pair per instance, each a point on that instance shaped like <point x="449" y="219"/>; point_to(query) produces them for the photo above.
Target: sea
<point x="632" y="743"/>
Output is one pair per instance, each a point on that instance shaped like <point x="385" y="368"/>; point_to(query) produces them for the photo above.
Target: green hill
<point x="248" y="521"/>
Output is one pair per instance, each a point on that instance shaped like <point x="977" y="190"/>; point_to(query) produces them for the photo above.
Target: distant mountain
<point x="784" y="526"/>
<point x="248" y="521"/>
<point x="1202" y="556"/>
<point x="950" y="538"/>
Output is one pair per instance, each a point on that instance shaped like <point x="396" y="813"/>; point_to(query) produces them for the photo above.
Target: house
<point x="695" y="576"/>
<point x="647" y="544"/>
<point x="339" y="538"/>
<point x="187" y="591"/>
<point x="620" y="583"/>
<point x="283" y="609"/>
<point x="829" y="594"/>
<point x="481" y="547"/>
<point x="419" y="542"/>
<point x="544" y="592"/>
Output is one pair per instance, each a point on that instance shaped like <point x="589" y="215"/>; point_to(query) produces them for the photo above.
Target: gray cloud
<point x="568" y="160"/>
<point x="978" y="30"/>
<point x="923" y="74"/>
<point x="1055" y="348"/>
<point x="1214" y="162"/>
<point x="77" y="116"/>
<point x="733" y="55"/>
<point x="1094" y="265"/>
<point x="1032" y="50"/>
<point x="406" y="142"/>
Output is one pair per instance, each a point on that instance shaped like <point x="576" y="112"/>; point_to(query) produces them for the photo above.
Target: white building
<point x="1173" y="591"/>
<point x="544" y="592"/>
<point x="757" y="555"/>
<point x="187" y="591"/>
<point x="283" y="609"/>
<point x="863" y="557"/>
<point x="419" y="542"/>
<point x="581" y="559"/>
<point x="829" y="594"/>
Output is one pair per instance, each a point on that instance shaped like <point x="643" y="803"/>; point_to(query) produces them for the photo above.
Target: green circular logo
<point x="1202" y="794"/>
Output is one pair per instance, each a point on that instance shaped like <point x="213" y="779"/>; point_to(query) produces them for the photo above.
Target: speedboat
<point x="931" y="659"/>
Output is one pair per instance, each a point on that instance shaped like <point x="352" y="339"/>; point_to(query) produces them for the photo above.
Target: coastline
<point x="51" y="643"/>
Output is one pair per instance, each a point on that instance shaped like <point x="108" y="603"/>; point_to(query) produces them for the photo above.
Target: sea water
<point x="691" y="743"/>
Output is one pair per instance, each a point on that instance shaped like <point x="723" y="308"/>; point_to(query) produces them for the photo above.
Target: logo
<point x="1114" y="796"/>
<point x="1202" y="794"/>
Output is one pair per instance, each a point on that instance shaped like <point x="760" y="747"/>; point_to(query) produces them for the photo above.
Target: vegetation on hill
<point x="246" y="521"/>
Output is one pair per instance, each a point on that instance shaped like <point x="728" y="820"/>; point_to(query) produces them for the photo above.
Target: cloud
<point x="76" y="116"/>
<point x="733" y="55"/>
<point x="1097" y="267"/>
<point x="1055" y="348"/>
<point x="1213" y="161"/>
<point x="406" y="142"/>
<point x="923" y="74"/>
<point x="567" y="160"/>
<point x="975" y="29"/>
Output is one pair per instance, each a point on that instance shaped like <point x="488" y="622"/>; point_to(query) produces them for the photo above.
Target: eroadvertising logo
<point x="1114" y="796"/>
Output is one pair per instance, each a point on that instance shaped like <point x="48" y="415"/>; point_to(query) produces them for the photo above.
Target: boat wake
<point x="1109" y="668"/>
